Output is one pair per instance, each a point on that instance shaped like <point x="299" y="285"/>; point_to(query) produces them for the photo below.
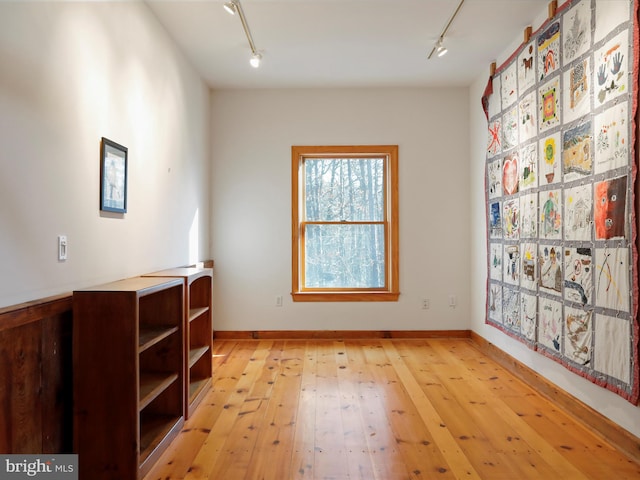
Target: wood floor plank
<point x="222" y="352"/>
<point x="385" y="457"/>
<point x="540" y="453"/>
<point x="182" y="452"/>
<point x="416" y="444"/>
<point x="235" y="457"/>
<point x="467" y="421"/>
<point x="205" y="461"/>
<point x="303" y="449"/>
<point x="378" y="409"/>
<point x="481" y="403"/>
<point x="457" y="461"/>
<point x="271" y="457"/>
<point x="330" y="457"/>
<point x="355" y="431"/>
<point x="573" y="440"/>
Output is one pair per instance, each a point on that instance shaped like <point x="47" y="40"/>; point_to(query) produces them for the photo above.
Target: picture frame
<point x="113" y="176"/>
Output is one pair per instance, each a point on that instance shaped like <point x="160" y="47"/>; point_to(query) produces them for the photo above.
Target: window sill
<point x="345" y="296"/>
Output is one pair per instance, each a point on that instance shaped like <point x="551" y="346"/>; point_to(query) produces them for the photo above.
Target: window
<point x="345" y="223"/>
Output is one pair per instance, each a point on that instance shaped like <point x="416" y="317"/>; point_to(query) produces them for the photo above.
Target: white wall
<point x="607" y="403"/>
<point x="252" y="135"/>
<point x="71" y="73"/>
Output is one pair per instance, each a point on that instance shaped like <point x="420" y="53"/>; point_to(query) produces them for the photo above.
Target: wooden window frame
<point x="391" y="291"/>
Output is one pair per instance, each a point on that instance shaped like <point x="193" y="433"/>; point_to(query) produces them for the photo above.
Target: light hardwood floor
<point x="385" y="409"/>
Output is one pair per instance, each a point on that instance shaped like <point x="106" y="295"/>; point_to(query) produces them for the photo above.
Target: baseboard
<point x="336" y="334"/>
<point x="598" y="423"/>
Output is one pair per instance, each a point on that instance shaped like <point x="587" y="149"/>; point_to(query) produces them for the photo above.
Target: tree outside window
<point x="345" y="223"/>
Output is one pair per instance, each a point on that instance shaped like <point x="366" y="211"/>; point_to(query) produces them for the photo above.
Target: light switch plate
<point x="62" y="247"/>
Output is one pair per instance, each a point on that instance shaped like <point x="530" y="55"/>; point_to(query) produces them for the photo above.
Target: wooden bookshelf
<point x="128" y="351"/>
<point x="197" y="325"/>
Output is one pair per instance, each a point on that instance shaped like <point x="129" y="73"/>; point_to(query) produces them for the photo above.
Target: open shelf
<point x="130" y="336"/>
<point x="152" y="430"/>
<point x="196" y="354"/>
<point x="152" y="385"/>
<point x="149" y="335"/>
<point x="196" y="312"/>
<point x="198" y="330"/>
<point x="197" y="386"/>
<point x="156" y="433"/>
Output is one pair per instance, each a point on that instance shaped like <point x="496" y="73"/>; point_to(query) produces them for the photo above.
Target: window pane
<point x="348" y="189"/>
<point x="344" y="256"/>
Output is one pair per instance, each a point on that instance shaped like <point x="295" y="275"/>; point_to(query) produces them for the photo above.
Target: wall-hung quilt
<point x="560" y="177"/>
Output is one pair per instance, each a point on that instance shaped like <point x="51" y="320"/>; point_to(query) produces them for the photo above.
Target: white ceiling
<point x="345" y="43"/>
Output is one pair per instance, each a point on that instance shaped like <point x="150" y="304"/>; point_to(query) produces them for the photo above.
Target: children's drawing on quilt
<point x="577" y="152"/>
<point x="529" y="166"/>
<point x="528" y="274"/>
<point x="550" y="262"/>
<point x="509" y="86"/>
<point x="495" y="302"/>
<point x="511" y="264"/>
<point x="495" y="220"/>
<point x="578" y="217"/>
<point x="529" y="216"/>
<point x="549" y="50"/>
<point x="511" y="219"/>
<point x="550" y="323"/>
<point x="528" y="307"/>
<point x="576" y="31"/>
<point x="612" y="347"/>
<point x="549" y="104"/>
<point x="550" y="226"/>
<point x="610" y="201"/>
<point x="576" y="96"/>
<point x="612" y="278"/>
<point x="549" y="152"/>
<point x="511" y="308"/>
<point x="494" y="178"/>
<point x="611" y="138"/>
<point x="526" y="68"/>
<point x="610" y="15"/>
<point x="527" y="117"/>
<point x="578" y="275"/>
<point x="510" y="129"/>
<point x="510" y="174"/>
<point x="495" y="261"/>
<point x="611" y="70"/>
<point x="559" y="181"/>
<point x="495" y="100"/>
<point x="578" y="333"/>
<point x="494" y="138"/>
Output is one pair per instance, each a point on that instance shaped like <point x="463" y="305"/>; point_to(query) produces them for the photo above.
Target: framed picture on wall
<point x="113" y="176"/>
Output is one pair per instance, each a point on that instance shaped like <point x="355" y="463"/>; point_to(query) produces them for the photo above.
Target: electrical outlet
<point x="425" y="304"/>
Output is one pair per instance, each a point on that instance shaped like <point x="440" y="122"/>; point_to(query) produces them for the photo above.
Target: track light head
<point x="231" y="7"/>
<point x="439" y="49"/>
<point x="255" y="60"/>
